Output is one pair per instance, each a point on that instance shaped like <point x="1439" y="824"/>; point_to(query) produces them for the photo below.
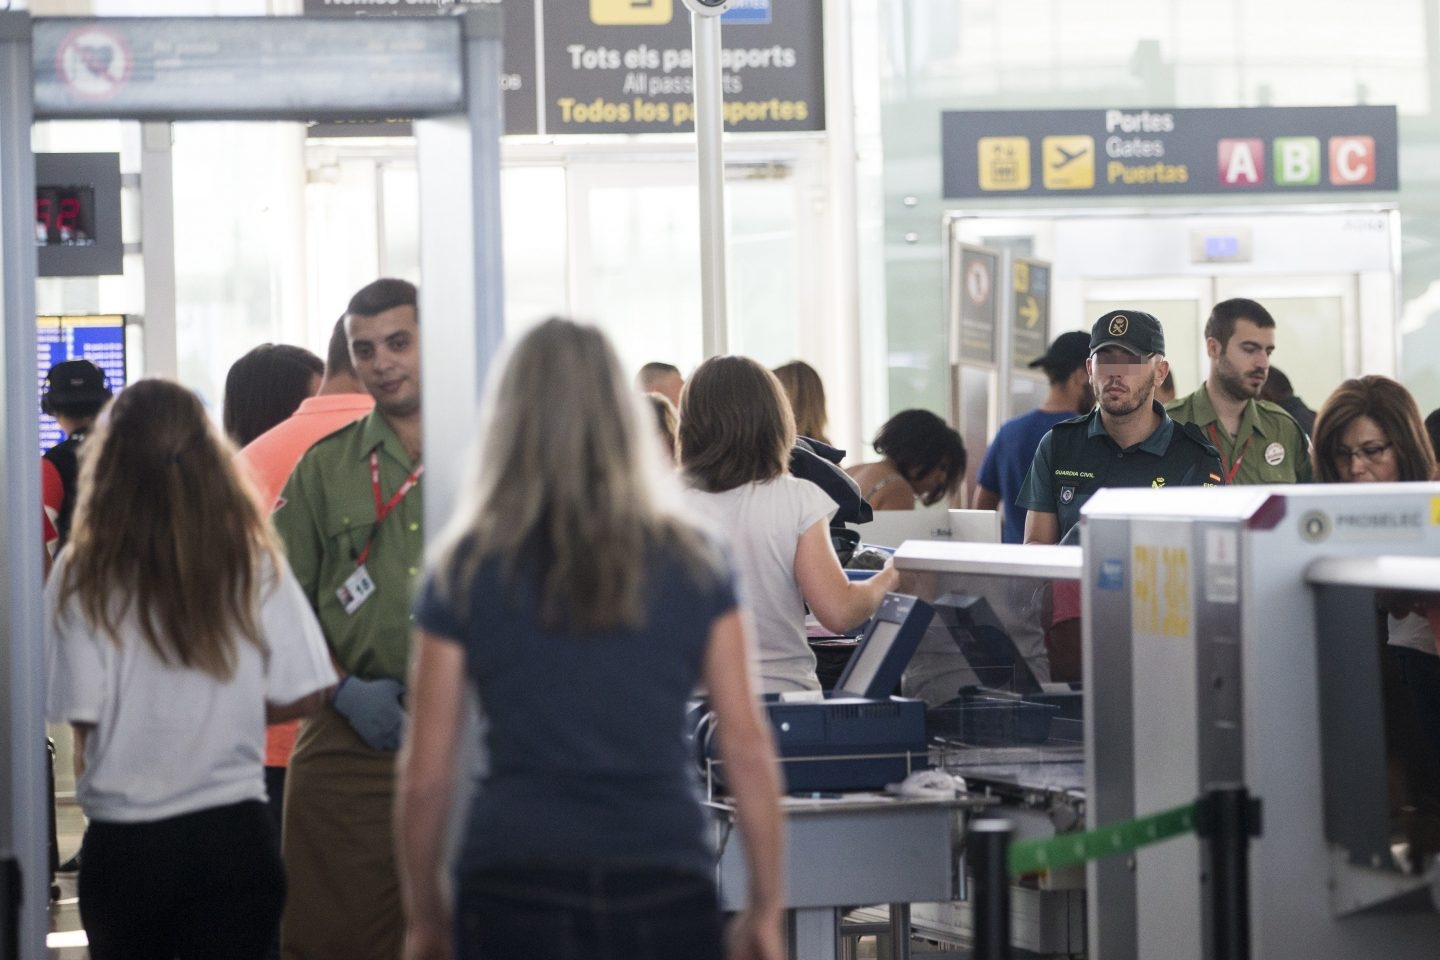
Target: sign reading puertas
<point x="1136" y="152"/>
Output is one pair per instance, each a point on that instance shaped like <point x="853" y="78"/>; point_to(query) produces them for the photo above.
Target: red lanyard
<point x="1234" y="468"/>
<point x="383" y="509"/>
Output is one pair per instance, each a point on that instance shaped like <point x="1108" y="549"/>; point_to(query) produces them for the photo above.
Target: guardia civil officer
<point x="1258" y="441"/>
<point x="1126" y="441"/>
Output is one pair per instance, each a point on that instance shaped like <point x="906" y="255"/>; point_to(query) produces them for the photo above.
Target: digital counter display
<point x="65" y="216"/>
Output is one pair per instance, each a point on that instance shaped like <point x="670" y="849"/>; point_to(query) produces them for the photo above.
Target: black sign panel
<point x="1030" y="327"/>
<point x="518" y="80"/>
<point x="977" y="305"/>
<point x="625" y="66"/>
<point x="1142" y="152"/>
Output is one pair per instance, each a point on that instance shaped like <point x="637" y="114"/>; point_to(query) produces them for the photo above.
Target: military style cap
<point x="1135" y="330"/>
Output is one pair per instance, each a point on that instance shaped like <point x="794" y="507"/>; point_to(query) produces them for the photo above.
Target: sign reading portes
<point x="1134" y="152"/>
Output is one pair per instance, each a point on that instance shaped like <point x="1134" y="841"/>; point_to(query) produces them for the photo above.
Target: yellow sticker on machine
<point x="1435" y="511"/>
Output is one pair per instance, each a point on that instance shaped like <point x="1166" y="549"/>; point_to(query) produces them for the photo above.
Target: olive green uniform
<point x="1269" y="447"/>
<point x="344" y="895"/>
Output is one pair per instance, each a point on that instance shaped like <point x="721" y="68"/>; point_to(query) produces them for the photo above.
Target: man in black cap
<point x="1126" y="441"/>
<point x="1007" y="460"/>
<point x="74" y="393"/>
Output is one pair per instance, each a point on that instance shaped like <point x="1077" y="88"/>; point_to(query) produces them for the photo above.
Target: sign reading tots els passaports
<point x="626" y="66"/>
<point x="1138" y="152"/>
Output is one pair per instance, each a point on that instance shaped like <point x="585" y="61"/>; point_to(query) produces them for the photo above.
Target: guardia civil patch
<point x="1067" y="495"/>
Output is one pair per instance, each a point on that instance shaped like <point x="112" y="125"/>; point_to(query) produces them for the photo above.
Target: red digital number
<point x="42" y="212"/>
<point x="69" y="213"/>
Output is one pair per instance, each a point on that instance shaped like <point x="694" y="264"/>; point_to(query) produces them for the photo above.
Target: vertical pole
<point x="709" y="134"/>
<point x="157" y="238"/>
<point x="1227" y="821"/>
<point x="24" y="824"/>
<point x="462" y="296"/>
<point x="987" y="848"/>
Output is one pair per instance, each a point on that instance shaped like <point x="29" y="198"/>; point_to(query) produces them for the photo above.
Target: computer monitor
<point x="885" y="648"/>
<point x="975" y="526"/>
<point x="985" y="643"/>
<point x="890" y="528"/>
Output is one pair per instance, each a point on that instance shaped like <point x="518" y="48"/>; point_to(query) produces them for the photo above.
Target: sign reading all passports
<point x="626" y="66"/>
<point x="1138" y="152"/>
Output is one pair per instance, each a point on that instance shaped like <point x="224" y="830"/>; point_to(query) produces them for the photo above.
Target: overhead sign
<point x="626" y="66"/>
<point x="1030" y="326"/>
<point x="517" y="79"/>
<point x="1138" y="152"/>
<point x="275" y="67"/>
<point x="978" y="311"/>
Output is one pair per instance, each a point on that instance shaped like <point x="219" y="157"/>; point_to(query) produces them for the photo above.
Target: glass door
<point x="1317" y="328"/>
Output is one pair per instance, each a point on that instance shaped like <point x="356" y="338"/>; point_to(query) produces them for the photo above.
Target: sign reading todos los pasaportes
<point x="626" y="66"/>
<point x="1134" y="152"/>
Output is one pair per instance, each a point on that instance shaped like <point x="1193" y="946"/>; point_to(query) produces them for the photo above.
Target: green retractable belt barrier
<point x="1070" y="849"/>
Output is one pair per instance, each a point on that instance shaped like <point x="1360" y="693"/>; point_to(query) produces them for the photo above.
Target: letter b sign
<point x="1297" y="161"/>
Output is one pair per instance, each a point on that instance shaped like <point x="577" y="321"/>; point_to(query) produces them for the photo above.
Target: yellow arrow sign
<point x="1030" y="313"/>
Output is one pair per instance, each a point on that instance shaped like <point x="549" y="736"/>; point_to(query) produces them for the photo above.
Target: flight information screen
<point x="100" y="339"/>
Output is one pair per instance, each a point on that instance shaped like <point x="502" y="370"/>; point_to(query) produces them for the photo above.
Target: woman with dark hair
<point x="1370" y="431"/>
<point x="582" y="608"/>
<point x="735" y="440"/>
<point x="266" y="386"/>
<point x="176" y="632"/>
<point x="924" y="461"/>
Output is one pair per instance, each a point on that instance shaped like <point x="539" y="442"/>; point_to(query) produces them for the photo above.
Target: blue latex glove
<point x="373" y="708"/>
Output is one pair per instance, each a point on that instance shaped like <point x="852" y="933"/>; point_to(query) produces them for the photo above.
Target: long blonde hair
<point x="165" y="525"/>
<point x="568" y="487"/>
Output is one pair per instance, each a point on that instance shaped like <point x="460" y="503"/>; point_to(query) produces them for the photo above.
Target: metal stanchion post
<point x="1227" y="818"/>
<point x="987" y="849"/>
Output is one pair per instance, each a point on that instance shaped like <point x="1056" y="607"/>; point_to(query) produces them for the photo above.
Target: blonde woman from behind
<point x="583" y="609"/>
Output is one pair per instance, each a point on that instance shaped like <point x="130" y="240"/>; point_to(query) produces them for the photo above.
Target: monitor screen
<point x="100" y="339"/>
<point x="869" y="657"/>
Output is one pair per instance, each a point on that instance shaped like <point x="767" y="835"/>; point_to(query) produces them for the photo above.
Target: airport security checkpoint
<point x="1172" y="734"/>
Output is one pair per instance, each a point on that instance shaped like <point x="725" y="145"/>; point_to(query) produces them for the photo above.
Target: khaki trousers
<point x="344" y="900"/>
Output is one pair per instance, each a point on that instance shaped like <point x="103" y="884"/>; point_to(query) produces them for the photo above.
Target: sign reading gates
<point x="625" y="66"/>
<point x="1133" y="152"/>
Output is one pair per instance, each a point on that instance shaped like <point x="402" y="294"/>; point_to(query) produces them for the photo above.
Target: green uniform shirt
<point x="1270" y="445"/>
<point x="325" y="516"/>
<point x="1077" y="457"/>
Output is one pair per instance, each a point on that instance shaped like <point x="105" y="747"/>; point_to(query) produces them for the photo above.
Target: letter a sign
<point x="1242" y="163"/>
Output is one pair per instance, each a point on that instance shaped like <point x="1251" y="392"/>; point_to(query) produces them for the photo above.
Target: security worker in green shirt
<point x="1126" y="441"/>
<point x="350" y="516"/>
<point x="1259" y="442"/>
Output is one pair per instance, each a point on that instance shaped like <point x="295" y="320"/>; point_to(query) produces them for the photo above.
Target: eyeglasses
<point x="1369" y="452"/>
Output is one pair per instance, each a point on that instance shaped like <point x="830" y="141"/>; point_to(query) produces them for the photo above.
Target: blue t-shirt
<point x="1008" y="461"/>
<point x="589" y="758"/>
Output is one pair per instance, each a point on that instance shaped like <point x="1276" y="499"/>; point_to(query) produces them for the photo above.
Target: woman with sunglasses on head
<point x="1370" y="431"/>
<point x="582" y="608"/>
<point x="176" y="631"/>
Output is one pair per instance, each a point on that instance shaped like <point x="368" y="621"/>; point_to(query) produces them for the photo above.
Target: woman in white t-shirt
<point x="735" y="438"/>
<point x="176" y="630"/>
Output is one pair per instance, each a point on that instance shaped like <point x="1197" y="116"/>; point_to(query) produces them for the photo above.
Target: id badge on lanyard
<point x="360" y="586"/>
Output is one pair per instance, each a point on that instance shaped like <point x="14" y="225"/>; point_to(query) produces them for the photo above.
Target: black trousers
<point x="202" y="885"/>
<point x="594" y="913"/>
